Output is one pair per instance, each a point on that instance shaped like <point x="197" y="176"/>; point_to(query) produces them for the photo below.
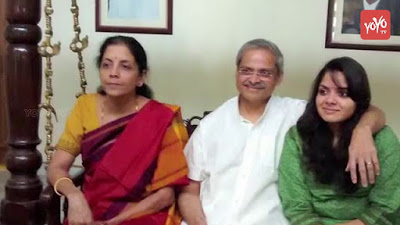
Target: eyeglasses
<point x="263" y="73"/>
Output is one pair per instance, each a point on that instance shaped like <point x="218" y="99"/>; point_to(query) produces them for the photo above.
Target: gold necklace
<point x="102" y="109"/>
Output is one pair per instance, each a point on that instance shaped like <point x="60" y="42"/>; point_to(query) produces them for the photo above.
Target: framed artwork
<point x="343" y="25"/>
<point x="134" y="16"/>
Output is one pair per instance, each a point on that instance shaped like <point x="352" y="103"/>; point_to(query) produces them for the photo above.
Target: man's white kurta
<point x="237" y="162"/>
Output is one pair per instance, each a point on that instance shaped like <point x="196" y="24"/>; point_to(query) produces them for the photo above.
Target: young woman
<point x="131" y="146"/>
<point x="313" y="184"/>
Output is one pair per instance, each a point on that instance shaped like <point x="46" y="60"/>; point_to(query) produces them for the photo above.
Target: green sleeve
<point x="293" y="189"/>
<point x="384" y="197"/>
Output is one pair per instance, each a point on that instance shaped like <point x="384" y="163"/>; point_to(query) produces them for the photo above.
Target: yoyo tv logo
<point x="375" y="24"/>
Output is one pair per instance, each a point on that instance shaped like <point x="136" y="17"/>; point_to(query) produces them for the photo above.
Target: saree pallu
<point x="131" y="158"/>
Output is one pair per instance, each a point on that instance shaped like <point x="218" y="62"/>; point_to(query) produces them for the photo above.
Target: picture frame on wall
<point x="343" y="25"/>
<point x="134" y="16"/>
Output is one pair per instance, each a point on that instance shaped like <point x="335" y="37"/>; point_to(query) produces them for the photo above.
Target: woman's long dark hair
<point x="325" y="161"/>
<point x="137" y="50"/>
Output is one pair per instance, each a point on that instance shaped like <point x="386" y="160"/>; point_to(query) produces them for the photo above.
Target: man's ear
<point x="280" y="78"/>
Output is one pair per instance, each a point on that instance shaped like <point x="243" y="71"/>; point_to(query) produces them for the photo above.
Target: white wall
<point x="194" y="67"/>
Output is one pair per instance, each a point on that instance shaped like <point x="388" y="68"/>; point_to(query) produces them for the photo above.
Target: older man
<point x="234" y="153"/>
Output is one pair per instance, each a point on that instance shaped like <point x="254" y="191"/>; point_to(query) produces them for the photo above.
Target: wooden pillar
<point x="3" y="124"/>
<point x="23" y="66"/>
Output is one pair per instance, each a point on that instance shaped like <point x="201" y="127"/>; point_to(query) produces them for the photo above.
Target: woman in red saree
<point x="131" y="147"/>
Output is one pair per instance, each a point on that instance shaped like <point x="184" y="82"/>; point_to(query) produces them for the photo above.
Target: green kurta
<point x="306" y="202"/>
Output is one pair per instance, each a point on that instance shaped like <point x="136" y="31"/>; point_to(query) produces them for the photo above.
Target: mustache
<point x="258" y="85"/>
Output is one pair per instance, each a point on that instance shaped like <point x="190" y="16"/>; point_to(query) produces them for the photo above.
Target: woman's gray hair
<point x="262" y="44"/>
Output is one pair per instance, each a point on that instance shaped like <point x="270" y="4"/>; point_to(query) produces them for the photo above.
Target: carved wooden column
<point x="3" y="124"/>
<point x="23" y="66"/>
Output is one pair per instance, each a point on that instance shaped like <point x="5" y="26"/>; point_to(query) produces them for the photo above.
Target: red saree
<point x="129" y="158"/>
